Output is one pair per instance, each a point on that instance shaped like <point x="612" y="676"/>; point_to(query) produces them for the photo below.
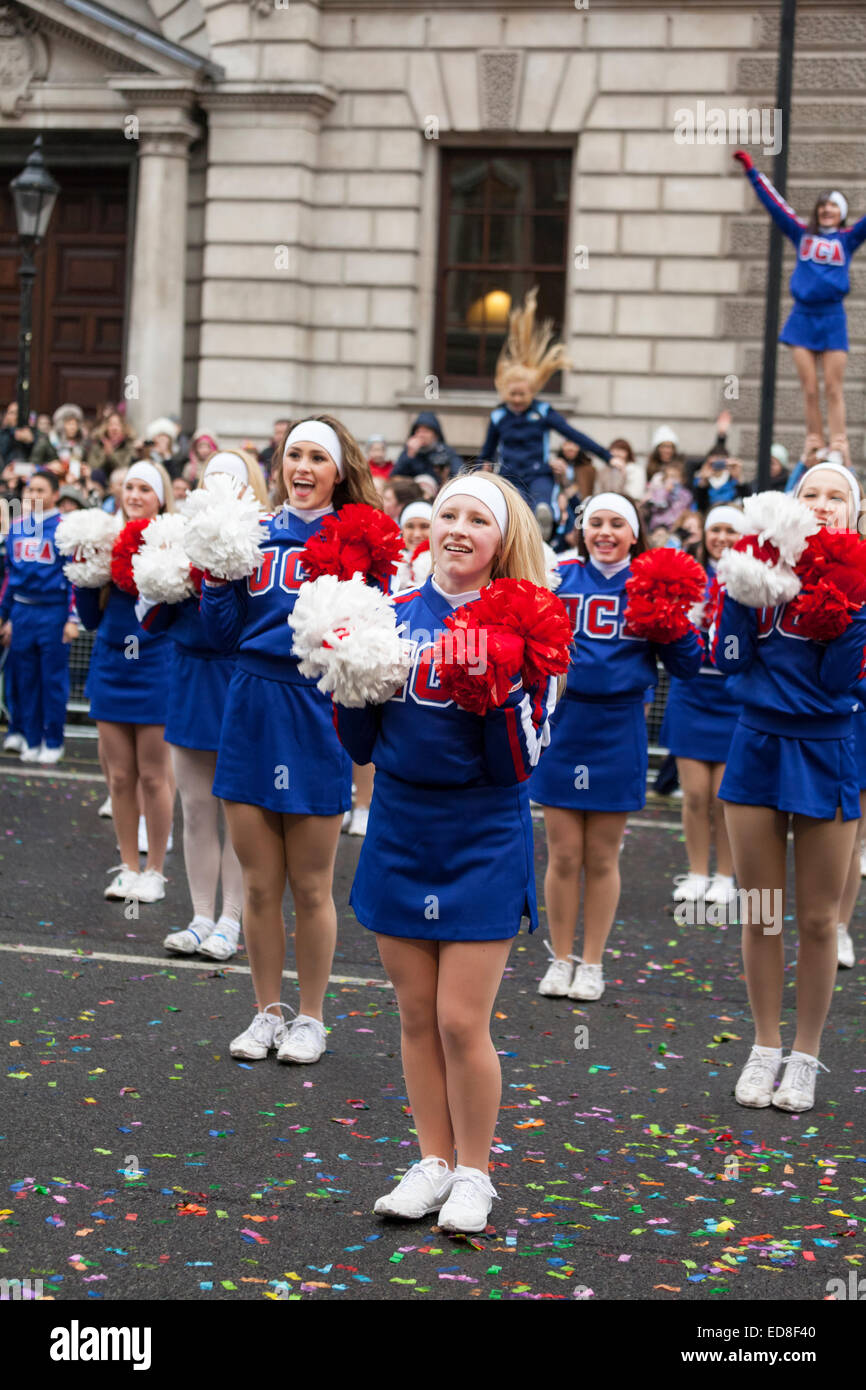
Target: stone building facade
<point x="284" y="164"/>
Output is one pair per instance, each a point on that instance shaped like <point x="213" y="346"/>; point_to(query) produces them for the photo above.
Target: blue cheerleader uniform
<point x="794" y="744"/>
<point x="820" y="280"/>
<point x="701" y="714"/>
<point x="278" y="748"/>
<point x="860" y="735"/>
<point x="448" y="854"/>
<point x="598" y="759"/>
<point x="199" y="676"/>
<point x="38" y="598"/>
<point x="128" y="678"/>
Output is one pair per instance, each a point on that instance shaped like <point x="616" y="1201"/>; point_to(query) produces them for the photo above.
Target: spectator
<point x="180" y="488"/>
<point x="779" y="471"/>
<point x="203" y="446"/>
<point x="71" y="499"/>
<point x="660" y="538"/>
<point x="718" y="480"/>
<point x="380" y="464"/>
<point x="664" y="449"/>
<point x="815" y="455"/>
<point x="160" y="446"/>
<point x="69" y="438"/>
<point x="689" y="532"/>
<point x="573" y="464"/>
<point x="273" y="450"/>
<point x="425" y="451"/>
<point x="114" y="500"/>
<point x="111" y="444"/>
<point x="666" y="497"/>
<point x="623" y="473"/>
<point x="397" y="494"/>
<point x="97" y="487"/>
<point x="21" y="444"/>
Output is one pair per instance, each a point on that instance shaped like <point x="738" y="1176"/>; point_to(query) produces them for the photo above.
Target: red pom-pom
<point x="823" y="611"/>
<point x="766" y="553"/>
<point x="357" y="539"/>
<point x="515" y="626"/>
<point x="833" y="573"/>
<point x="197" y="577"/>
<point x="663" y="585"/>
<point x="125" y="546"/>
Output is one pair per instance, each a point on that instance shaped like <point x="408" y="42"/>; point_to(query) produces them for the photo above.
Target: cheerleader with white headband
<point x="446" y="871"/>
<point x="415" y="522"/>
<point x="198" y="685"/>
<point x="283" y="777"/>
<point x="794" y="666"/>
<point x="595" y="772"/>
<point x="700" y="716"/>
<point x="127" y="685"/>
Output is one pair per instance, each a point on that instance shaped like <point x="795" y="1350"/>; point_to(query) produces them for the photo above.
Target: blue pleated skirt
<point x="699" y="720"/>
<point x="860" y="747"/>
<point x="823" y="329"/>
<point x="446" y="863"/>
<point x="133" y="688"/>
<point x="197" y="690"/>
<point x="806" y="777"/>
<point x="597" y="759"/>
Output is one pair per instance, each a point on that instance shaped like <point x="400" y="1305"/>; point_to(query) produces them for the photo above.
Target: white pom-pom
<point x="753" y="582"/>
<point x="88" y="536"/>
<point x="551" y="561"/>
<point x="346" y="632"/>
<point x="697" y="615"/>
<point x="784" y="521"/>
<point x="421" y="567"/>
<point x="161" y="566"/>
<point x="224" y="531"/>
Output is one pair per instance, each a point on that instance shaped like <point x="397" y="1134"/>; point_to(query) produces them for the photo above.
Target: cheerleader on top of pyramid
<point x="519" y="430"/>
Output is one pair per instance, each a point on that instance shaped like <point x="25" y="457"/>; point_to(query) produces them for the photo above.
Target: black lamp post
<point x="34" y="192"/>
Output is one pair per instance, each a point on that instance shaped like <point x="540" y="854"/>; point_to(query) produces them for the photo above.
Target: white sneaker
<point x="125" y="885"/>
<point x="264" y="1033"/>
<point x="690" y="887"/>
<point x="30" y="755"/>
<point x="469" y="1201"/>
<point x="797" y="1088"/>
<point x="223" y="941"/>
<point x="187" y="942"/>
<point x="105" y="809"/>
<point x="142" y="835"/>
<point x="721" y="890"/>
<point x="305" y="1040"/>
<point x="863" y="861"/>
<point x="588" y="982"/>
<point x="421" y="1190"/>
<point x="755" y="1086"/>
<point x="47" y="755"/>
<point x="844" y="947"/>
<point x="345" y="822"/>
<point x="557" y="980"/>
<point x="13" y="743"/>
<point x="151" y="886"/>
<point x="358" y="823"/>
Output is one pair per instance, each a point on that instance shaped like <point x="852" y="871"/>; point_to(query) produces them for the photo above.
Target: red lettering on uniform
<point x="573" y="605"/>
<point x="424" y="683"/>
<point x="788" y="623"/>
<point x="261" y="580"/>
<point x="822" y="250"/>
<point x="292" y="574"/>
<point x="601" y="615"/>
<point x="766" y="617"/>
<point x="32" y="551"/>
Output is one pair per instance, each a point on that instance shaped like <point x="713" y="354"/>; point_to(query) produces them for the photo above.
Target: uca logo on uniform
<point x="76" y="1343"/>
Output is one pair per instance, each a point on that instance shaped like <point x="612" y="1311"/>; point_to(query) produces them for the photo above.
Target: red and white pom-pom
<point x="87" y="536"/>
<point x="123" y="553"/>
<point x="161" y="567"/>
<point x="514" y="627"/>
<point x="224" y="532"/>
<point x="662" y="587"/>
<point x="758" y="569"/>
<point x="785" y="522"/>
<point x="345" y="632"/>
<point x="413" y="570"/>
<point x="832" y="570"/>
<point x="355" y="540"/>
<point x="702" y="615"/>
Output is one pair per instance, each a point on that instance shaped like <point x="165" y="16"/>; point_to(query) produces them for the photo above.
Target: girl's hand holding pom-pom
<point x="161" y="567"/>
<point x="345" y="632"/>
<point x="663" y="588"/>
<point x="87" y="536"/>
<point x="224" y="533"/>
<point x="515" y="626"/>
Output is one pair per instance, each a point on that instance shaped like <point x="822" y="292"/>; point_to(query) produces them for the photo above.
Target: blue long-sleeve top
<point x="251" y="615"/>
<point x="424" y="739"/>
<point x="606" y="661"/>
<point x="820" y="276"/>
<point x="116" y="621"/>
<point x="786" y="683"/>
<point x="184" y="624"/>
<point x="522" y="441"/>
<point x="34" y="569"/>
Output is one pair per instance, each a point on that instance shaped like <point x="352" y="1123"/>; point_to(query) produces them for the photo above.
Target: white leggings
<point x="194" y="770"/>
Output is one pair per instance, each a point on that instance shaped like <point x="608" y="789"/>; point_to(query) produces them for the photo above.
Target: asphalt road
<point x="624" y="1168"/>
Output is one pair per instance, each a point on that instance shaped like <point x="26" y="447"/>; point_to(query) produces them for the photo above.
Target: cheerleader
<point x="792" y="754"/>
<point x="446" y="871"/>
<point x="817" y="325"/>
<point x="281" y="772"/>
<point x="697" y="727"/>
<point x="596" y="771"/>
<point x="128" y="689"/>
<point x="37" y="619"/>
<point x="415" y="566"/>
<point x="198" y="683"/>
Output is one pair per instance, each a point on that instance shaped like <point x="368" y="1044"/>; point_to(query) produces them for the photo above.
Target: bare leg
<point x="807" y="370"/>
<point x="822" y="854"/>
<point x="230" y="876"/>
<point x="603" y="837"/>
<point x="697" y="784"/>
<point x="117" y="746"/>
<point x="724" y="858"/>
<point x="257" y="836"/>
<point x="470" y="973"/>
<point x="562" y="878"/>
<point x="834" y="392"/>
<point x="157" y="789"/>
<point x="363" y="779"/>
<point x="413" y="969"/>
<point x="758" y="836"/>
<point x="311" y="848"/>
<point x="194" y="770"/>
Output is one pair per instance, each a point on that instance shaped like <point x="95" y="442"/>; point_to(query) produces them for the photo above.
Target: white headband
<point x="611" y="502"/>
<point x="843" y="472"/>
<point x="317" y="432"/>
<point x="473" y="485"/>
<point x="146" y="473"/>
<point x="725" y="516"/>
<point x="840" y="200"/>
<point x="420" y="510"/>
<point x="226" y="462"/>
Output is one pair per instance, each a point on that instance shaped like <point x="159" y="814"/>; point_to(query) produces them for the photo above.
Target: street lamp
<point x="34" y="192"/>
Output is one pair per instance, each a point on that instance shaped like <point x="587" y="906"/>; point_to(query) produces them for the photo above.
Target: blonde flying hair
<point x="521" y="555"/>
<point x="530" y="348"/>
<point x="356" y="485"/>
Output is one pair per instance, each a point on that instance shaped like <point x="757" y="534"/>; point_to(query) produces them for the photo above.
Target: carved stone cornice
<point x="313" y="97"/>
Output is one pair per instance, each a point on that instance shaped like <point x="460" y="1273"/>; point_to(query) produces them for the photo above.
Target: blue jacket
<point x="821" y="274"/>
<point x="522" y="441"/>
<point x="34" y="569"/>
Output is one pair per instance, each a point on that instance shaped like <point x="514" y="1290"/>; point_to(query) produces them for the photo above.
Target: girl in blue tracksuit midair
<point x="817" y="325"/>
<point x="793" y="753"/>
